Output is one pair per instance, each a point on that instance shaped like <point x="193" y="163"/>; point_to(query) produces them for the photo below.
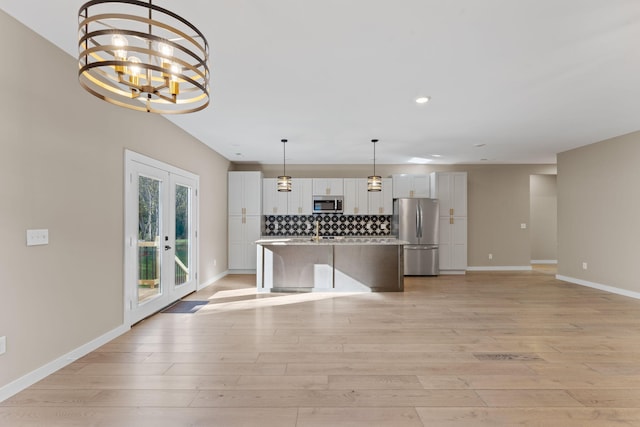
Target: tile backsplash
<point x="329" y="225"/>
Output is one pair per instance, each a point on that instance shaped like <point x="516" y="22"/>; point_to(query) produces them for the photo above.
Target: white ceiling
<point x="527" y="78"/>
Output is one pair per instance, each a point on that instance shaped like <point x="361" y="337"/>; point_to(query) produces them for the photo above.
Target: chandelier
<point x="374" y="182"/>
<point x="137" y="55"/>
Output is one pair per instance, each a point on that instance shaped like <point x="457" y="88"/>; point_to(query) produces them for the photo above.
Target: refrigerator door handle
<point x="419" y="221"/>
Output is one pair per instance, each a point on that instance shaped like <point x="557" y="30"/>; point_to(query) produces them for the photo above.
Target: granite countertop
<point x="338" y="240"/>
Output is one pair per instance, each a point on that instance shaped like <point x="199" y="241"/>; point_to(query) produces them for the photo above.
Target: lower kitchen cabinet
<point x="244" y="230"/>
<point x="453" y="245"/>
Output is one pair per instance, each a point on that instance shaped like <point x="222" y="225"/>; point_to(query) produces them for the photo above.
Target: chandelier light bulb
<point x="165" y="49"/>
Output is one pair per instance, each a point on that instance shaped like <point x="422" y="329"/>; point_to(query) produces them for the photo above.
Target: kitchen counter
<point x="289" y="241"/>
<point x="349" y="264"/>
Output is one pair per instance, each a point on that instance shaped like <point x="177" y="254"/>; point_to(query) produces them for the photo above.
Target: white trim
<point x="501" y="268"/>
<point x="33" y="377"/>
<point x="544" y="261"/>
<point x="212" y="280"/>
<point x="451" y="272"/>
<point x="241" y="271"/>
<point x="599" y="286"/>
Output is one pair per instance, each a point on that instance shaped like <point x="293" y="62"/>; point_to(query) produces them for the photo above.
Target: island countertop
<point x="338" y="240"/>
<point x="347" y="264"/>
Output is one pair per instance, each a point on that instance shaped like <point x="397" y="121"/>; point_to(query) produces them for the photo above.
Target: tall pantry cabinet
<point x="451" y="189"/>
<point x="245" y="218"/>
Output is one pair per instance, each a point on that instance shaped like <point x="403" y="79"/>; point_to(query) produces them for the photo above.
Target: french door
<point x="160" y="235"/>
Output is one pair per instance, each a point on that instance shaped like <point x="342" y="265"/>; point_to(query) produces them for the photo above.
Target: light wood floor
<point x="485" y="349"/>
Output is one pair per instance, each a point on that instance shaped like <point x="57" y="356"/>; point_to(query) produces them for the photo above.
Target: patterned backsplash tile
<point x="329" y="225"/>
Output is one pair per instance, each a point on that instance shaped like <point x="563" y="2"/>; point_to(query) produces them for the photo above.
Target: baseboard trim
<point x="241" y="271"/>
<point x="213" y="280"/>
<point x="452" y="272"/>
<point x="501" y="268"/>
<point x="544" y="261"/>
<point x="33" y="377"/>
<point x="606" y="288"/>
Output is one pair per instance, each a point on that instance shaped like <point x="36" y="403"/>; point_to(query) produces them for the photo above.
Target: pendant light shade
<point x="374" y="182"/>
<point x="284" y="181"/>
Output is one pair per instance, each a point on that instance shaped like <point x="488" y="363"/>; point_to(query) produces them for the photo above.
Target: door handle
<point x="167" y="247"/>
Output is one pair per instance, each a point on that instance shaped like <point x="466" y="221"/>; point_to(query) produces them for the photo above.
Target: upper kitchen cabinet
<point x="245" y="190"/>
<point x="381" y="202"/>
<point x="328" y="187"/>
<point x="451" y="189"/>
<point x="405" y="185"/>
<point x="274" y="202"/>
<point x="355" y="196"/>
<point x="301" y="197"/>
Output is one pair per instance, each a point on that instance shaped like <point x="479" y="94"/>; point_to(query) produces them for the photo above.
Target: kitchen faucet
<point x="317" y="236"/>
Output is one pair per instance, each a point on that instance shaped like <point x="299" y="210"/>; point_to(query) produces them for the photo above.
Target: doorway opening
<point x="161" y="247"/>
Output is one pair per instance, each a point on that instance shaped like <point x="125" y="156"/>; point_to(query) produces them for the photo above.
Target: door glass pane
<point x="149" y="255"/>
<point x="183" y="207"/>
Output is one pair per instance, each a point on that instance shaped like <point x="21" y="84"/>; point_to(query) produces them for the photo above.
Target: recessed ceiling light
<point x="423" y="99"/>
<point x="419" y="160"/>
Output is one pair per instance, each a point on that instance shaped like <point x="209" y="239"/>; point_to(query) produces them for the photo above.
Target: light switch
<point x="523" y="225"/>
<point x="3" y="345"/>
<point x="37" y="237"/>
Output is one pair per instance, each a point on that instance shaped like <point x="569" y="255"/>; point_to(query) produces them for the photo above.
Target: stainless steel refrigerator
<point x="416" y="221"/>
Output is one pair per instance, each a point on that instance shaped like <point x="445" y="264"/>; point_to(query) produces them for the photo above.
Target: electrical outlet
<point x="584" y="265"/>
<point x="3" y="345"/>
<point x="490" y="256"/>
<point x="523" y="226"/>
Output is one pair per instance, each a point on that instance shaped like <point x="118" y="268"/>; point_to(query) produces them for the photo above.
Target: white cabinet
<point x="301" y="197"/>
<point x="405" y="185"/>
<point x="244" y="221"/>
<point x="450" y="188"/>
<point x="274" y="202"/>
<point x="245" y="193"/>
<point x="355" y="196"/>
<point x="453" y="245"/>
<point x="328" y="187"/>
<point x="244" y="230"/>
<point x="381" y="202"/>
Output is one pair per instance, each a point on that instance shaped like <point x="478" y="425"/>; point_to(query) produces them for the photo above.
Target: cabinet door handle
<point x="451" y="220"/>
<point x="410" y="193"/>
<point x="451" y="211"/>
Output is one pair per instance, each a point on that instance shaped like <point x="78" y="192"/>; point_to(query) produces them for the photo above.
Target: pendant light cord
<point x="284" y="157"/>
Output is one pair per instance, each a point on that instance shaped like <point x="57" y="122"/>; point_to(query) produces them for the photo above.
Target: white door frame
<point x="132" y="162"/>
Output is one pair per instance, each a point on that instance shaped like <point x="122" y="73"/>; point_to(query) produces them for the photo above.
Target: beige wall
<point x="598" y="212"/>
<point x="62" y="167"/>
<point x="544" y="217"/>
<point x="498" y="197"/>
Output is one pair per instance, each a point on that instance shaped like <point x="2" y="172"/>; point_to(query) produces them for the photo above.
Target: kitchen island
<point x="352" y="264"/>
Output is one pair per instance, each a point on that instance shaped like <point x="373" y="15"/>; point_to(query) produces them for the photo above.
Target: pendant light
<point x="137" y="55"/>
<point x="374" y="182"/>
<point x="284" y="181"/>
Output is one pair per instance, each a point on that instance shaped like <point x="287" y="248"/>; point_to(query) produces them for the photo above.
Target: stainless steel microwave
<point x="327" y="204"/>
